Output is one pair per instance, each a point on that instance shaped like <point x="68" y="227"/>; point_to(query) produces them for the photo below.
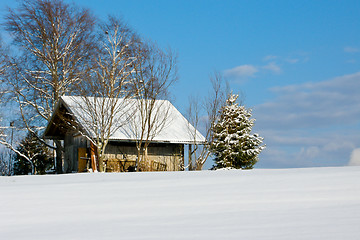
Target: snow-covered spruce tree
<point x="234" y="145"/>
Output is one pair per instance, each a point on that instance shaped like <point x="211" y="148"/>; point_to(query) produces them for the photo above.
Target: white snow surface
<point x="313" y="203"/>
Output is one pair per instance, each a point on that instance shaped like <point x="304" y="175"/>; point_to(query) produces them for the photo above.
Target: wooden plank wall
<point x="160" y="157"/>
<point x="122" y="155"/>
<point x="71" y="146"/>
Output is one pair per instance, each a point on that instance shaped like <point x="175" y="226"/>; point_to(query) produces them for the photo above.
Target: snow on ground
<point x="314" y="203"/>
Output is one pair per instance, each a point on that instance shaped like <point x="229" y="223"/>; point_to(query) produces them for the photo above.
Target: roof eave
<point x="160" y="141"/>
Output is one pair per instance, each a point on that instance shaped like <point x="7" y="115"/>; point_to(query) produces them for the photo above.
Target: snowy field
<point x="314" y="203"/>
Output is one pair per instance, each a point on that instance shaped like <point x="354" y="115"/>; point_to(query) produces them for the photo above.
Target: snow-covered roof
<point x="176" y="128"/>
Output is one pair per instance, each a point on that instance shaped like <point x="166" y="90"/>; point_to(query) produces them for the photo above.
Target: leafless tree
<point x="52" y="43"/>
<point x="5" y="164"/>
<point x="28" y="155"/>
<point x="2" y="60"/>
<point x="210" y="108"/>
<point x="103" y="102"/>
<point x="9" y="140"/>
<point x="155" y="71"/>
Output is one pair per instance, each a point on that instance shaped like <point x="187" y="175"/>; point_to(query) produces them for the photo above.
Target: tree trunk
<point x="101" y="164"/>
<point x="147" y="164"/>
<point x="32" y="168"/>
<point x="199" y="166"/>
<point x="190" y="158"/>
<point x="138" y="158"/>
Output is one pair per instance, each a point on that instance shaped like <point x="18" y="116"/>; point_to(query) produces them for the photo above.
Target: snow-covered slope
<point x="314" y="203"/>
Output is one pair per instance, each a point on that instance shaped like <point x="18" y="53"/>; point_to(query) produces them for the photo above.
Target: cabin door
<point x="82" y="160"/>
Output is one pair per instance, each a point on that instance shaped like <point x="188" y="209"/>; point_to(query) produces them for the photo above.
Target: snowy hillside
<point x="314" y="203"/>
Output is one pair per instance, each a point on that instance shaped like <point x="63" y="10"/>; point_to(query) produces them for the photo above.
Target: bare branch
<point x="210" y="107"/>
<point x="104" y="92"/>
<point x="53" y="45"/>
<point x="154" y="73"/>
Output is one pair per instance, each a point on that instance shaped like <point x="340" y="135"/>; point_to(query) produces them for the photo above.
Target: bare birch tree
<point x="52" y="45"/>
<point x="5" y="156"/>
<point x="210" y="106"/>
<point x="2" y="60"/>
<point x="104" y="100"/>
<point x="5" y="168"/>
<point x="9" y="140"/>
<point x="154" y="73"/>
<point x="27" y="155"/>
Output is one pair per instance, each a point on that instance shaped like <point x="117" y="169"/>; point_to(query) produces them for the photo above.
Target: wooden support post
<point x="93" y="155"/>
<point x="182" y="157"/>
<point x="190" y="158"/>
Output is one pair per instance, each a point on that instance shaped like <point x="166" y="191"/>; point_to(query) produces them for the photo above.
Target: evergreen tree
<point x="234" y="145"/>
<point x="38" y="160"/>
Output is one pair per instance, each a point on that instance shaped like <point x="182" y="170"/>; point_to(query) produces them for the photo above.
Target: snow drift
<point x="314" y="203"/>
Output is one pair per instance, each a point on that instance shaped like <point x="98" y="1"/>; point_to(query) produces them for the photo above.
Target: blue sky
<point x="297" y="63"/>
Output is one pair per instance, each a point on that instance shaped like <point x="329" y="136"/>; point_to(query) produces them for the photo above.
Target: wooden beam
<point x="190" y="157"/>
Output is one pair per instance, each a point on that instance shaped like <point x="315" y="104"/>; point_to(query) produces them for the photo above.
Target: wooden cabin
<point x="165" y="152"/>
